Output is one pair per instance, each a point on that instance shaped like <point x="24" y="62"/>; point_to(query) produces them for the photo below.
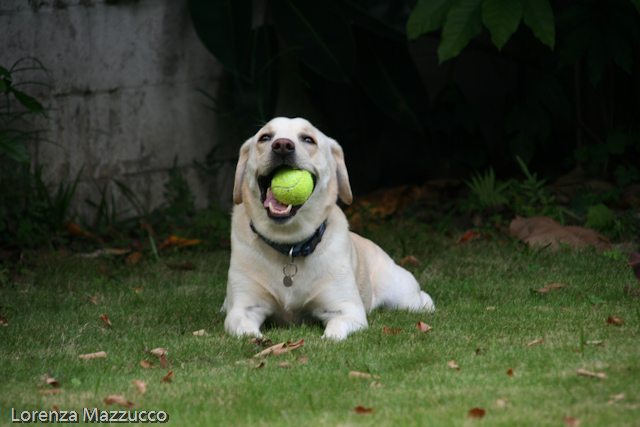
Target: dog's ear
<point x="344" y="187"/>
<point x="240" y="171"/>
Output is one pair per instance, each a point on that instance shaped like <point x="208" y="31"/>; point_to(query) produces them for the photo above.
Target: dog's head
<point x="296" y="143"/>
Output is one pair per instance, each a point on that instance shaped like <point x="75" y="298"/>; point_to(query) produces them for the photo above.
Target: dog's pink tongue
<point x="277" y="205"/>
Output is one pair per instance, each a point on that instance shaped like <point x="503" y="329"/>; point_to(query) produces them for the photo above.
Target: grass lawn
<point x="486" y="314"/>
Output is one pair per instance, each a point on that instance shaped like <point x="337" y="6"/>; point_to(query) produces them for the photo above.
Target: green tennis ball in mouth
<point x="292" y="186"/>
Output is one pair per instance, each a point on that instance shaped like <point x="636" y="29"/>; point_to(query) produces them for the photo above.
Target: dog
<point x="291" y="263"/>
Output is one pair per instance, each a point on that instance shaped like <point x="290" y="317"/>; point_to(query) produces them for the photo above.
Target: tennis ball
<point x="292" y="186"/>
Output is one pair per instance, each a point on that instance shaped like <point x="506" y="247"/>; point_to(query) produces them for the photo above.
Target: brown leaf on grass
<point x="51" y="391"/>
<point x="363" y="411"/>
<point x="96" y="355"/>
<point x="534" y="342"/>
<point x="453" y="365"/>
<point x="596" y="343"/>
<point x="137" y="289"/>
<point x="491" y="308"/>
<point x="177" y="241"/>
<point x="157" y="352"/>
<point x="356" y="374"/>
<point x="106" y="320"/>
<point x="615" y="321"/>
<point x="390" y="331"/>
<point x="543" y="231"/>
<point x="284" y="365"/>
<point x="94" y="300"/>
<point x="423" y="327"/>
<point x="472" y="235"/>
<point x="200" y="333"/>
<point x="571" y="422"/>
<point x="586" y="373"/>
<point x="140" y="385"/>
<point x="634" y="262"/>
<point x="261" y="342"/>
<point x="185" y="266"/>
<point x="280" y="348"/>
<point x="260" y="366"/>
<point x="133" y="258"/>
<point x="410" y="261"/>
<point x="476" y="413"/>
<point x="551" y="287"/>
<point x="163" y="361"/>
<point x="168" y="378"/>
<point x="146" y="364"/>
<point x="105" y="252"/>
<point x="510" y="372"/>
<point x="3" y="320"/>
<point x="76" y="230"/>
<point x="481" y="351"/>
<point x="118" y="399"/>
<point x="47" y="380"/>
<point x="615" y="399"/>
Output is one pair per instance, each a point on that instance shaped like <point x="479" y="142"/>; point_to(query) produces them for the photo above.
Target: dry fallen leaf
<point x="140" y="385"/>
<point x="571" y="422"/>
<point x="423" y="327"/>
<point x="551" y="287"/>
<point x="168" y="378"/>
<point x="481" y="351"/>
<point x="137" y="289"/>
<point x="615" y="321"/>
<point x="96" y="355"/>
<point x="76" y="230"/>
<point x="356" y="374"/>
<point x="118" y="399"/>
<point x="453" y="365"/>
<point x="586" y="373"/>
<point x="472" y="235"/>
<point x="146" y="364"/>
<point x="362" y="410"/>
<point x="280" y="348"/>
<point x="491" y="307"/>
<point x="94" y="300"/>
<point x="4" y="321"/>
<point x="157" y="352"/>
<point x="534" y="342"/>
<point x="185" y="266"/>
<point x="615" y="398"/>
<point x="476" y="413"/>
<point x="543" y="231"/>
<point x="106" y="320"/>
<point x="410" y="261"/>
<point x="261" y="365"/>
<point x="285" y="365"/>
<point x="133" y="258"/>
<point x="390" y="331"/>
<point x="510" y="372"/>
<point x="163" y="361"/>
<point x="200" y="333"/>
<point x="178" y="241"/>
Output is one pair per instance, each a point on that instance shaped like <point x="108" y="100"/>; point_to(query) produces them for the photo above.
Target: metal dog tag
<point x="288" y="278"/>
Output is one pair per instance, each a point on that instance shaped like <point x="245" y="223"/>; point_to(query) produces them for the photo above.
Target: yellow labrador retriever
<point x="289" y="263"/>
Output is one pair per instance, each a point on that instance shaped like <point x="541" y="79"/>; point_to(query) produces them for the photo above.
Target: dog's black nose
<point x="283" y="146"/>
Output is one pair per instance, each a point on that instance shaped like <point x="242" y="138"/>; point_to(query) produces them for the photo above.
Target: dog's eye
<point x="265" y="137"/>
<point x="307" y="139"/>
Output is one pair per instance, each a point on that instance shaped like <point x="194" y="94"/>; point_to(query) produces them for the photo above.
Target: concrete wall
<point x="122" y="98"/>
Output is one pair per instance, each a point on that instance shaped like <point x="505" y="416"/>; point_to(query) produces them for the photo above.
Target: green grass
<point x="52" y="320"/>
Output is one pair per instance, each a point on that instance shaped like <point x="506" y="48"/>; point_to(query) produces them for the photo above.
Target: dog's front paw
<point x="239" y="325"/>
<point x="338" y="329"/>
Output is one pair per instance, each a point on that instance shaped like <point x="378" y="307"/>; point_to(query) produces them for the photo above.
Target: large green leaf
<point x="13" y="148"/>
<point x="575" y="44"/>
<point x="464" y="22"/>
<point x="538" y="15"/>
<point x="389" y="77"/>
<point x="427" y="16"/>
<point x="502" y="18"/>
<point x="319" y="35"/>
<point x="29" y="102"/>
<point x="224" y="27"/>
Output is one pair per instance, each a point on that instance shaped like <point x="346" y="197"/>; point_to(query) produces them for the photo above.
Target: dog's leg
<point x="342" y="319"/>
<point x="246" y="320"/>
<point x="396" y="288"/>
